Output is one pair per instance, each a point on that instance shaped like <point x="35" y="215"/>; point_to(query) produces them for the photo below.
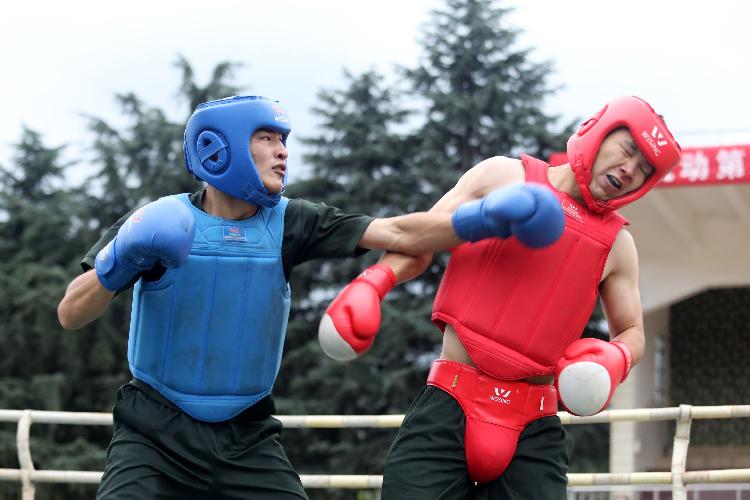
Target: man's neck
<point x="220" y="204"/>
<point x="563" y="179"/>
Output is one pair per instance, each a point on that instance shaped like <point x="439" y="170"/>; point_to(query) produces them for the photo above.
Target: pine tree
<point x="34" y="224"/>
<point x="356" y="159"/>
<point x="39" y="231"/>
<point x="484" y="95"/>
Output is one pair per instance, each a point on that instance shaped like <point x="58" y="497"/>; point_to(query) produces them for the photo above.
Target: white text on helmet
<point x="651" y="142"/>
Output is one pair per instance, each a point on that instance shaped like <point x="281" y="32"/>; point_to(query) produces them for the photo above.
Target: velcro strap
<point x="627" y="354"/>
<point x="381" y="277"/>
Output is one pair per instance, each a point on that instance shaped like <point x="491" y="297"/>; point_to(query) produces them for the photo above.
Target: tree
<point x="355" y="160"/>
<point x="34" y="224"/>
<point x="216" y="88"/>
<point x="39" y="236"/>
<point x="484" y="96"/>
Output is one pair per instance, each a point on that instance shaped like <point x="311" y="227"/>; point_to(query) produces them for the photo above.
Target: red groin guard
<point x="496" y="413"/>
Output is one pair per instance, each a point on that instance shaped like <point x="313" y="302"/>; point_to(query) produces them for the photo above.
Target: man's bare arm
<point x="417" y="236"/>
<point x="85" y="300"/>
<point x="621" y="298"/>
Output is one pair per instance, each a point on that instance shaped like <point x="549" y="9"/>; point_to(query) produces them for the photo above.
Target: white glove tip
<point x="332" y="343"/>
<point x="584" y="387"/>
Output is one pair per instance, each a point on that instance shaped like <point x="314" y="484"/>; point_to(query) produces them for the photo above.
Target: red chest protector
<point x="516" y="309"/>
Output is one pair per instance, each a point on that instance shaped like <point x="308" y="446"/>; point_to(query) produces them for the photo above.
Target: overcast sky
<point x="61" y="60"/>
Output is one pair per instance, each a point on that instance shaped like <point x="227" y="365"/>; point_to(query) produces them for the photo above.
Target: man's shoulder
<point x="624" y="239"/>
<point x="493" y="173"/>
<point x="296" y="205"/>
<point x="300" y="209"/>
<point x="502" y="163"/>
<point x="502" y="169"/>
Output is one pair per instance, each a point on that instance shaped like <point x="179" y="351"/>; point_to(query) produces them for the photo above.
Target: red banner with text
<point x="701" y="166"/>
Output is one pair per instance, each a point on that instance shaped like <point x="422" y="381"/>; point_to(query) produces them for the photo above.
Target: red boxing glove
<point x="589" y="372"/>
<point x="351" y="322"/>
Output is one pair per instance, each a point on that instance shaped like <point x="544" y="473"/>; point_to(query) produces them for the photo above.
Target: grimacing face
<point x="269" y="155"/>
<point x="619" y="167"/>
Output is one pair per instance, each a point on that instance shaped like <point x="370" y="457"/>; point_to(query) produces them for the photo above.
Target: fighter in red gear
<point x="512" y="317"/>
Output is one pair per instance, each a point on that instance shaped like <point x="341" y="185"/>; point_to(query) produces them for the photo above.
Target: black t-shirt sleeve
<point x="318" y="231"/>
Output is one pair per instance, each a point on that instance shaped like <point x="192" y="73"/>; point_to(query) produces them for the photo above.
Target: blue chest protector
<point x="209" y="335"/>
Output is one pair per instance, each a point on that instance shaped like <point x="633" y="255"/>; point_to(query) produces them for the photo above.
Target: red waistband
<point x="474" y="388"/>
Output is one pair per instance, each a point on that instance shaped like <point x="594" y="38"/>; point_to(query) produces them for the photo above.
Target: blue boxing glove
<point x="530" y="212"/>
<point x="161" y="231"/>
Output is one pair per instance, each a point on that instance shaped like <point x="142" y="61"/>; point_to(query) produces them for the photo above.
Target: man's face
<point x="619" y="167"/>
<point x="269" y="155"/>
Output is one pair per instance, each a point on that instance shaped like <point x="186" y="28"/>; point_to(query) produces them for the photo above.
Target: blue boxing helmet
<point x="217" y="145"/>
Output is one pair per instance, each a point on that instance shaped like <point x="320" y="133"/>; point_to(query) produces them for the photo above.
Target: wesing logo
<point x="138" y="215"/>
<point x="501" y="396"/>
<point x="280" y="115"/>
<point x="571" y="210"/>
<point x="654" y="139"/>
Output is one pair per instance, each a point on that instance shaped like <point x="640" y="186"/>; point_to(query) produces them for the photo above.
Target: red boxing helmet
<point x="650" y="134"/>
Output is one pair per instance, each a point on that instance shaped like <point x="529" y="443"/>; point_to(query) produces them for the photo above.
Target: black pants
<point x="427" y="460"/>
<point x="159" y="452"/>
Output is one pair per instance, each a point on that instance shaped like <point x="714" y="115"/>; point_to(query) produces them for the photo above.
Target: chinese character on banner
<point x="731" y="164"/>
<point x="714" y="165"/>
<point x="694" y="166"/>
